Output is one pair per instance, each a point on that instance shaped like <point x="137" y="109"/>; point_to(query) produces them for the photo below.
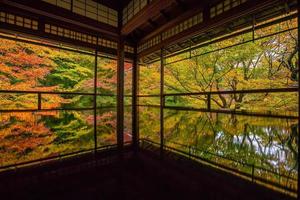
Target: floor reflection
<point x="227" y="139"/>
<point x="267" y="142"/>
<point x="28" y="136"/>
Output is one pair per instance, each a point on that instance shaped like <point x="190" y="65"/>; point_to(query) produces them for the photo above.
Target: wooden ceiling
<point x="159" y="13"/>
<point x="151" y="21"/>
<point x="222" y="27"/>
<point x="114" y="4"/>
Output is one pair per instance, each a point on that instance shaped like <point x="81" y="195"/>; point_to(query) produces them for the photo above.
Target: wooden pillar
<point x="39" y="101"/>
<point x="209" y="102"/>
<point x="162" y="102"/>
<point x="135" y="79"/>
<point x="95" y="100"/>
<point x="120" y="95"/>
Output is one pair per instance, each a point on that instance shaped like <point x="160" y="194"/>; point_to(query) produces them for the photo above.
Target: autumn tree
<point x="265" y="63"/>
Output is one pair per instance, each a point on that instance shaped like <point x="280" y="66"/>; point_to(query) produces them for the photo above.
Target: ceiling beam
<point x="165" y="15"/>
<point x="148" y="12"/>
<point x="248" y="8"/>
<point x="198" y="8"/>
<point x="152" y="23"/>
<point x="137" y="33"/>
<point x="44" y="9"/>
<point x="182" y="5"/>
<point x="116" y="5"/>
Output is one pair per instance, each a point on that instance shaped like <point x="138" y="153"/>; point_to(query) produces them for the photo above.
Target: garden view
<point x="270" y="62"/>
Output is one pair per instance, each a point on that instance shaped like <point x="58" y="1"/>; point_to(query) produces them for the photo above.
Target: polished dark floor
<point x="135" y="176"/>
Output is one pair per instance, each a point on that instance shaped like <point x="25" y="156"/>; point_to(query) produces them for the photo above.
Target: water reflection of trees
<point x="28" y="136"/>
<point x="265" y="142"/>
<point x="149" y="124"/>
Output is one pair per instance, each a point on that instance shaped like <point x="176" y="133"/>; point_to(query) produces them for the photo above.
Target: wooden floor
<point x="136" y="176"/>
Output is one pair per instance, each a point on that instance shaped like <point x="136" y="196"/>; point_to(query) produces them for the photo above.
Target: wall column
<point x="135" y="79"/>
<point x="162" y="102"/>
<point x="120" y="95"/>
<point x="95" y="100"/>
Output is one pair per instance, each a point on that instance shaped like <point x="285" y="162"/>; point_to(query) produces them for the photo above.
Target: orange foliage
<point x="21" y="68"/>
<point x="20" y="132"/>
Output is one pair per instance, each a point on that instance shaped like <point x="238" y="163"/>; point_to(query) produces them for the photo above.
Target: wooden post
<point x="135" y="79"/>
<point x="162" y="103"/>
<point x="95" y="100"/>
<point x="39" y="101"/>
<point x="209" y="101"/>
<point x="120" y="95"/>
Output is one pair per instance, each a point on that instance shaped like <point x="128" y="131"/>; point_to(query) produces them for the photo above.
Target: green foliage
<point x="69" y="128"/>
<point x="29" y="136"/>
<point x="69" y="74"/>
<point x="265" y="63"/>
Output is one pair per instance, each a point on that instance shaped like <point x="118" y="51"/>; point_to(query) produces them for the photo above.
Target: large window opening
<point x="260" y="61"/>
<point x="47" y="101"/>
<point x="231" y="102"/>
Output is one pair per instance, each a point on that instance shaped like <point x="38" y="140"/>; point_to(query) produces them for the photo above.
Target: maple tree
<point x="270" y="62"/>
<point x="29" y="136"/>
<point x="267" y="63"/>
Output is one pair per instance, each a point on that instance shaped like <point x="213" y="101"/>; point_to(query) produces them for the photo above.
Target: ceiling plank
<point x="148" y="12"/>
<point x="114" y="4"/>
<point x="245" y="9"/>
<point x="51" y="11"/>
<point x="182" y="5"/>
<point x="165" y="15"/>
<point x="174" y="22"/>
<point x="152" y="23"/>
